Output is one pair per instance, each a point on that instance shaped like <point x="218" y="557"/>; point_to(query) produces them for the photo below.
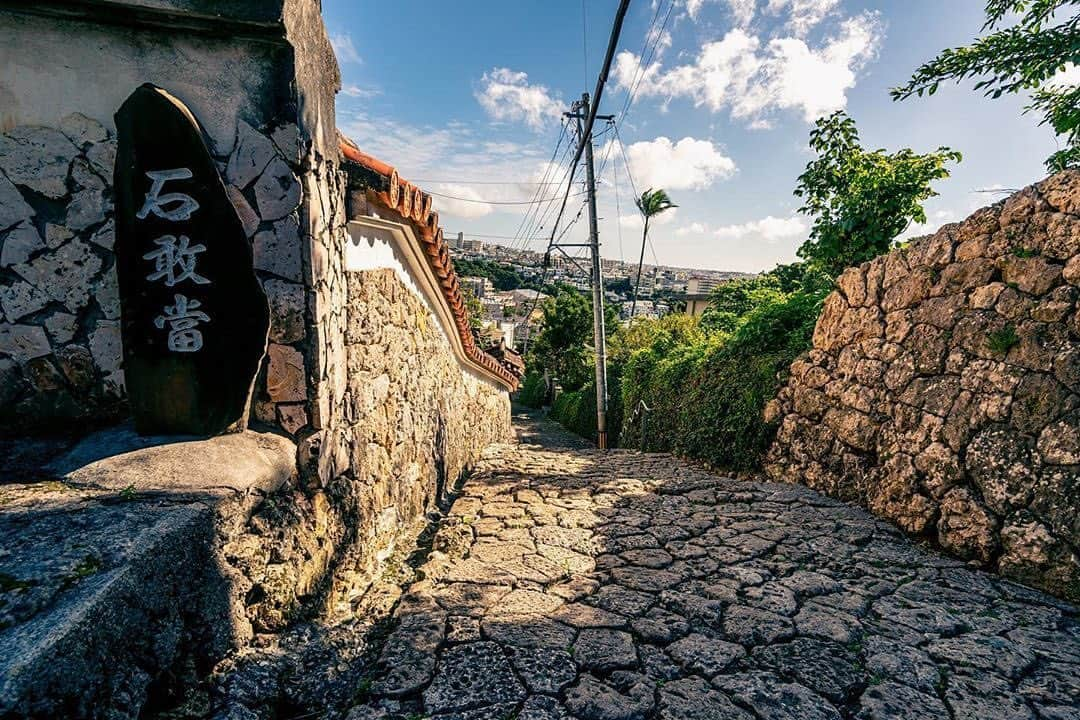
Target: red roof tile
<point x="415" y="205"/>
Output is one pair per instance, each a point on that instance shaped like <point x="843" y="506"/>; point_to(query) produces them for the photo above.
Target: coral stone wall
<point x="60" y="345"/>
<point x="356" y="372"/>
<point x="943" y="389"/>
<point x="59" y="307"/>
<point x="415" y="420"/>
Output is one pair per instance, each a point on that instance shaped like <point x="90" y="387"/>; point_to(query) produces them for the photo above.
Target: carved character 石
<point x="170" y="206"/>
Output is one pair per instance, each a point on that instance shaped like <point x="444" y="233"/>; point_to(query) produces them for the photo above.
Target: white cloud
<point x="742" y="11"/>
<point x="356" y="91"/>
<point x="696" y="228"/>
<point x="461" y="208"/>
<point x="768" y="229"/>
<point x="752" y="80"/>
<point x="803" y="15"/>
<point x="445" y="159"/>
<point x="688" y="164"/>
<point x="344" y="48"/>
<point x="635" y="221"/>
<point x="507" y="95"/>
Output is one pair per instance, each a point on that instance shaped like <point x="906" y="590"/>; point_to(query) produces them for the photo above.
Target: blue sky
<point x="465" y="99"/>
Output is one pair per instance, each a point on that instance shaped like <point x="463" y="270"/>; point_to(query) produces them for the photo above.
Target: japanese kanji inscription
<point x="194" y="316"/>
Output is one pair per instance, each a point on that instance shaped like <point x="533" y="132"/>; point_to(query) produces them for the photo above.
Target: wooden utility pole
<point x="580" y="111"/>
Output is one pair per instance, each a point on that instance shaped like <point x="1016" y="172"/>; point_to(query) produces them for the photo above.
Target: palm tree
<point x="651" y="203"/>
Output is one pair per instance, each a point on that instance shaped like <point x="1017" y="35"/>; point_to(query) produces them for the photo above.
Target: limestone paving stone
<point x="544" y="670"/>
<point x="472" y="675"/>
<point x="828" y="613"/>
<point x="592" y="699"/>
<point x="704" y="655"/>
<point x="890" y="701"/>
<point x="602" y="649"/>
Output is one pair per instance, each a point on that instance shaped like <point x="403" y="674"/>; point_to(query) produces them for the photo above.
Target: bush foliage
<point x="861" y="199"/>
<point x="707" y="381"/>
<point x="707" y="397"/>
<point x="533" y="390"/>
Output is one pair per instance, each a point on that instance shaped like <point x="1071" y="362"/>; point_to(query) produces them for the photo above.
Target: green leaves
<point x="654" y="202"/>
<point x="1022" y="57"/>
<point x="564" y="345"/>
<point x="861" y="199"/>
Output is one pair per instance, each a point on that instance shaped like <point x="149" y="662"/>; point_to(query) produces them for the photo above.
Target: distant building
<point x="644" y="308"/>
<point x="701" y="286"/>
<point x="508" y="331"/>
<point x="528" y="296"/>
<point x="481" y="287"/>
<point x="695" y="304"/>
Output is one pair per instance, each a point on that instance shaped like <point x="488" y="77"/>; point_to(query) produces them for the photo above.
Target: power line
<point x="497" y="202"/>
<point x="525" y="228"/>
<point x="535" y="224"/>
<point x="643" y="66"/>
<point x="626" y="162"/>
<point x="483" y="182"/>
<point x="601" y="81"/>
<point x="586" y="136"/>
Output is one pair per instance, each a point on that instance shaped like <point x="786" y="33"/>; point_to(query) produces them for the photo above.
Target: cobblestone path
<point x="608" y="586"/>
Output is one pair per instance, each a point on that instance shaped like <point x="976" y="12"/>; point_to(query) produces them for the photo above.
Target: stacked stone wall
<point x="372" y="457"/>
<point x="943" y="389"/>
<point x="60" y="347"/>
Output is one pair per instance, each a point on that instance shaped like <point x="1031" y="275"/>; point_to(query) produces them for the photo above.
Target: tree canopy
<point x="564" y="343"/>
<point x="503" y="277"/>
<point x="861" y="199"/>
<point x="1018" y="54"/>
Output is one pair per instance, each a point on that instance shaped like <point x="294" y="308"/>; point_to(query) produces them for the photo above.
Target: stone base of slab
<point x="112" y="577"/>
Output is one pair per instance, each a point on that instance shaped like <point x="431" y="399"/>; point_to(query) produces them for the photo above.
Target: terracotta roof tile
<point x="415" y="205"/>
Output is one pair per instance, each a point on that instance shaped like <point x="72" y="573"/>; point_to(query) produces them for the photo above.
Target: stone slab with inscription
<point x="194" y="316"/>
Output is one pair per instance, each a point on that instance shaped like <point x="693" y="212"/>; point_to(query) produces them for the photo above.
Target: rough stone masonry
<point x="357" y="373"/>
<point x="943" y="389"/>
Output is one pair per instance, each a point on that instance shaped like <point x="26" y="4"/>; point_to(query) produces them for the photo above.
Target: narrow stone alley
<point x="571" y="583"/>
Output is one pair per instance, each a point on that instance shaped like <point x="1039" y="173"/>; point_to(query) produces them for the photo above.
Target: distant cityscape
<point x="510" y="313"/>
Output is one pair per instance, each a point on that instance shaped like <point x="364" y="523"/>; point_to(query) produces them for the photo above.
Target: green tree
<point x="651" y="203"/>
<point x="1022" y="57"/>
<point x="664" y="333"/>
<point x="861" y="199"/>
<point x="503" y="277"/>
<point x="563" y="344"/>
<point x="474" y="309"/>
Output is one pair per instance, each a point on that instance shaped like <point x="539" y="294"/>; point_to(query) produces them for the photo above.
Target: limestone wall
<point x="381" y="431"/>
<point x="943" y="389"/>
<point x="60" y="347"/>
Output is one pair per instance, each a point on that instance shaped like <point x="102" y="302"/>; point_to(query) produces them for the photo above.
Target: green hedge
<point x="533" y="390"/>
<point x="707" y="398"/>
<point x="576" y="409"/>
